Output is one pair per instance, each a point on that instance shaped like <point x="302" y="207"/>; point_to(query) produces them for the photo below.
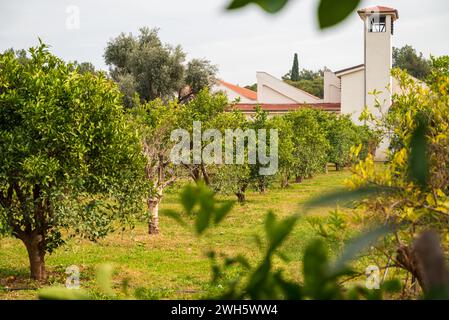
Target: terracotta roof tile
<point x="247" y="93"/>
<point x="381" y="9"/>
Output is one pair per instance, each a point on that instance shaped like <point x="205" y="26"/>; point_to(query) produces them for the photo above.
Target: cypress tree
<point x="295" y="69"/>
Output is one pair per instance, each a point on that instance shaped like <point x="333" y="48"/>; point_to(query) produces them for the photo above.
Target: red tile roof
<point x="378" y="8"/>
<point x="381" y="9"/>
<point x="250" y="94"/>
<point x="284" y="107"/>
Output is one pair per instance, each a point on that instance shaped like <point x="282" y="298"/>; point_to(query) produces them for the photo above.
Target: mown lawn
<point x="173" y="264"/>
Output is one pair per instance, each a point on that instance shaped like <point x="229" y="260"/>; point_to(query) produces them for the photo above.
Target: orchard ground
<point x="173" y="265"/>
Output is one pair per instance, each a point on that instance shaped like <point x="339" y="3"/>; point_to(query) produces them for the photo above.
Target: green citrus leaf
<point x="331" y="12"/>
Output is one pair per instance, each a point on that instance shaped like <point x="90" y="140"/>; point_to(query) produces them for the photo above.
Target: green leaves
<point x="271" y="6"/>
<point x="418" y="161"/>
<point x="276" y="231"/>
<point x="143" y="65"/>
<point x="319" y="283"/>
<point x="321" y="279"/>
<point x="315" y="263"/>
<point x="263" y="282"/>
<point x="355" y="246"/>
<point x="61" y="293"/>
<point x="343" y="197"/>
<point x="68" y="152"/>
<point x="199" y="201"/>
<point x="190" y="195"/>
<point x="310" y="142"/>
<point x="332" y="12"/>
<point x="222" y="211"/>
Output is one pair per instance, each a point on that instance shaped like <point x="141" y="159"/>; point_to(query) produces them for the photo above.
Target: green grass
<point x="173" y="264"/>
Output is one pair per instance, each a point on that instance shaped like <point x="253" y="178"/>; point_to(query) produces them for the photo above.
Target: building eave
<point x="285" y="107"/>
<point x="378" y="9"/>
<point x="345" y="71"/>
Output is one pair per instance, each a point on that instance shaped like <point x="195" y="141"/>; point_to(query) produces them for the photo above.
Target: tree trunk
<point x="153" y="208"/>
<point x="35" y="245"/>
<point x="284" y="182"/>
<point x="337" y="167"/>
<point x="262" y="185"/>
<point x="240" y="196"/>
<point x="298" y="179"/>
<point x="205" y="175"/>
<point x="426" y="261"/>
<point x="196" y="174"/>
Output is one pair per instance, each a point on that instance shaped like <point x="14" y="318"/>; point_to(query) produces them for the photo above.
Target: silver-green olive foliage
<point x="70" y="158"/>
<point x="145" y="66"/>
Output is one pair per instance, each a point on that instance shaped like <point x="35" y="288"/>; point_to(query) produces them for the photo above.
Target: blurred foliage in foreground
<point x="329" y="12"/>
<point x="415" y="179"/>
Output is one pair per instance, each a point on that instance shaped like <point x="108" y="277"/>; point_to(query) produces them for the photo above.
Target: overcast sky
<point x="240" y="43"/>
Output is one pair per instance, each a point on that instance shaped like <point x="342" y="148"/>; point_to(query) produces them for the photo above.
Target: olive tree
<point x="199" y="74"/>
<point x="156" y="68"/>
<point x="143" y="65"/>
<point x="70" y="162"/>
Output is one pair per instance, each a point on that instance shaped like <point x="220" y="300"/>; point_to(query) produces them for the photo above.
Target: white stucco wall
<point x="378" y="60"/>
<point x="273" y="90"/>
<point x="353" y="94"/>
<point x="270" y="95"/>
<point x="332" y="87"/>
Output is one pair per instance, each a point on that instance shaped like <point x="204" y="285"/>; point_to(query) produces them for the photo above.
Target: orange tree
<point x="70" y="159"/>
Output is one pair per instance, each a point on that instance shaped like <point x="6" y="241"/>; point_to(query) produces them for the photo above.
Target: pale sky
<point x="240" y="43"/>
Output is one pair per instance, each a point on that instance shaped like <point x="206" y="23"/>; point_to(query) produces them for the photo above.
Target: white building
<point x="346" y="91"/>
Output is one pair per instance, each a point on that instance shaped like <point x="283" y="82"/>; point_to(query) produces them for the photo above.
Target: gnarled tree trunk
<point x="153" y="208"/>
<point x="262" y="185"/>
<point x="205" y="175"/>
<point x="426" y="261"/>
<point x="35" y="245"/>
<point x="240" y="196"/>
<point x="195" y="173"/>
